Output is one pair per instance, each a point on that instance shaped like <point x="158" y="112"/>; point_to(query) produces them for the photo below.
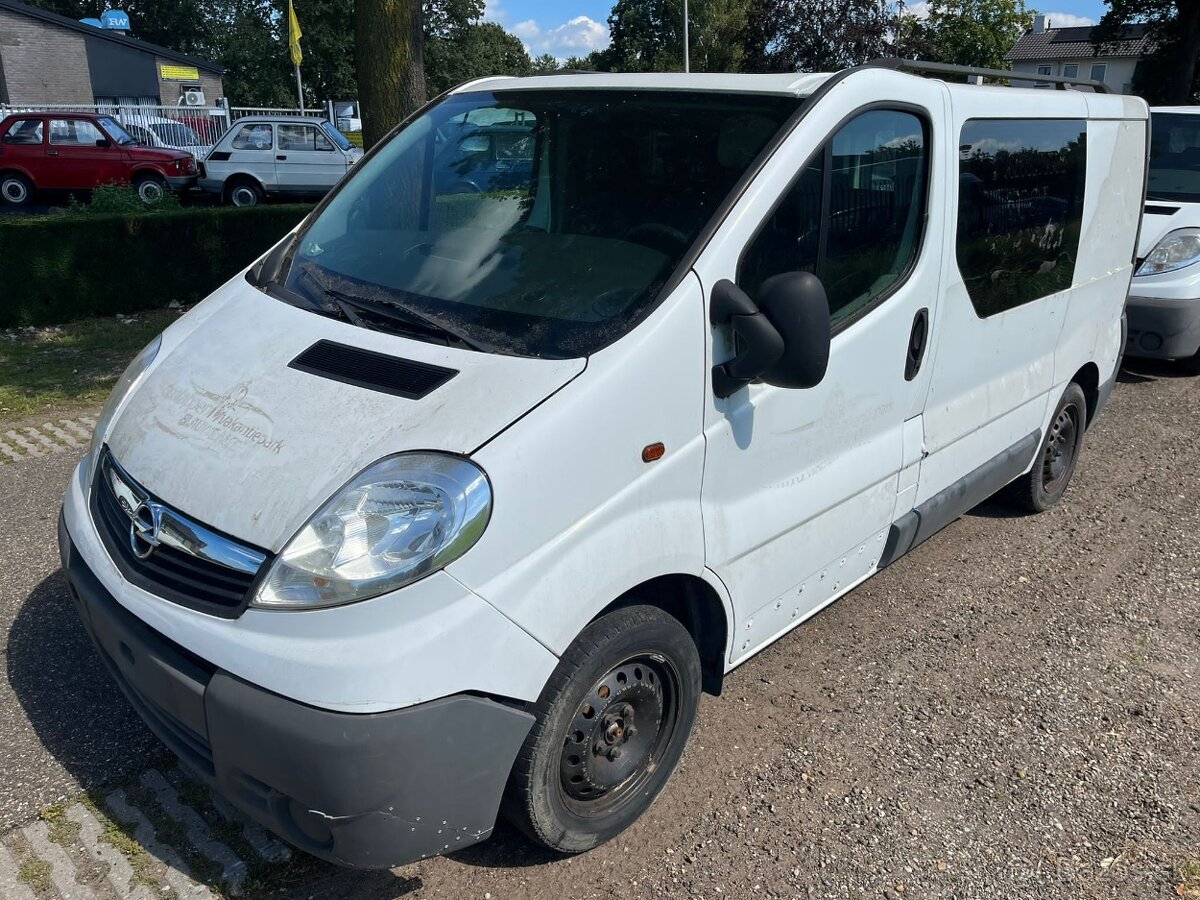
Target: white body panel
<point x="276" y="169"/>
<point x="777" y="500"/>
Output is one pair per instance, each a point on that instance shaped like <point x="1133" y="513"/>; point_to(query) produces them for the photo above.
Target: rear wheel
<point x="15" y="189"/>
<point x="1052" y="470"/>
<point x="243" y="192"/>
<point x="612" y="723"/>
<point x="150" y="188"/>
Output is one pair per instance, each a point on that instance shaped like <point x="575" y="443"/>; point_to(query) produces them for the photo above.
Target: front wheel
<point x="1052" y="470"/>
<point x="612" y="723"/>
<point x="150" y="189"/>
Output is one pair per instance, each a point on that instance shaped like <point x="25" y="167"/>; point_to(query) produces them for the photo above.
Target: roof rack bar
<point x="921" y="67"/>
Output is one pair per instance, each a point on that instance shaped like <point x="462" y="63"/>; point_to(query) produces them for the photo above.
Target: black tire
<point x="15" y="189"/>
<point x="1191" y="365"/>
<point x="151" y="188"/>
<point x="244" y="192"/>
<point x="588" y="769"/>
<point x="1045" y="484"/>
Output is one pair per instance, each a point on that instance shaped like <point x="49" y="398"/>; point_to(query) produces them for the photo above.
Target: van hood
<point x="221" y="428"/>
<point x="1162" y="216"/>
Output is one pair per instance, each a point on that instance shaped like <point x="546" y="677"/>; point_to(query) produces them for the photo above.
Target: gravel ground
<point x="1009" y="712"/>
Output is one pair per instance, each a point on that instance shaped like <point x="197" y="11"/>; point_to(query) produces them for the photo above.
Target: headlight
<point x="402" y="518"/>
<point x="124" y="385"/>
<point x="1178" y="249"/>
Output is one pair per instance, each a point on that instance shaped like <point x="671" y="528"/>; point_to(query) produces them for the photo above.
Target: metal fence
<point x="324" y="111"/>
<point x="191" y="128"/>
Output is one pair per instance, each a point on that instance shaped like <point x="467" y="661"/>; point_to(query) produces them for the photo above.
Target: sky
<point x="565" y="28"/>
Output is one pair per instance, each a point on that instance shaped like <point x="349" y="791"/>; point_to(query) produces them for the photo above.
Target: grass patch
<point x="1187" y="878"/>
<point x="61" y="829"/>
<point x="73" y="366"/>
<point x="36" y="873"/>
<point x="174" y="835"/>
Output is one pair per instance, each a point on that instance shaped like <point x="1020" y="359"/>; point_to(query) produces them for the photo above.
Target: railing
<point x="192" y="128"/>
<point x="324" y="111"/>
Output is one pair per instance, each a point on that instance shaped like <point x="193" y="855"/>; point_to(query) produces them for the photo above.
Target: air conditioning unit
<point x="193" y="97"/>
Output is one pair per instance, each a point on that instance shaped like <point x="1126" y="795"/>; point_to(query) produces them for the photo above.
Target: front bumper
<point x="1163" y="328"/>
<point x="365" y="790"/>
<point x="182" y="182"/>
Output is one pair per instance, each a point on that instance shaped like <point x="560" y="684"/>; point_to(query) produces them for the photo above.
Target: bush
<point x="62" y="268"/>
<point x="118" y="199"/>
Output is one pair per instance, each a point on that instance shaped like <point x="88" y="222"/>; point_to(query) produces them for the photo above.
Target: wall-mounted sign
<point x="114" y="19"/>
<point x="178" y="73"/>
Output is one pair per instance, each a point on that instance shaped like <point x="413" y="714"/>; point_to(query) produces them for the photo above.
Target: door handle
<point x="52" y="153"/>
<point x="281" y="157"/>
<point x="918" y="339"/>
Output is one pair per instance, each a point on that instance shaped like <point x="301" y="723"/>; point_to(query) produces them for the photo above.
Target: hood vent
<point x="373" y="371"/>
<point x="1152" y="210"/>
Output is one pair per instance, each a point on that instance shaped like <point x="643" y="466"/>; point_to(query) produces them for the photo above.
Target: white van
<point x="297" y="156"/>
<point x="1164" y="298"/>
<point x="457" y="502"/>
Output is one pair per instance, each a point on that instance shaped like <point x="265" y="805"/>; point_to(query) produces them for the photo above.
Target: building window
<point x="1099" y="70"/>
<point x="1071" y="70"/>
<point x="1020" y="205"/>
<point x="1043" y="70"/>
<point x="854" y="215"/>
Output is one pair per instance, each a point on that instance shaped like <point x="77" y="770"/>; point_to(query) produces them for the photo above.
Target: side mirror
<point x="797" y="306"/>
<point x="103" y="142"/>
<point x="783" y="339"/>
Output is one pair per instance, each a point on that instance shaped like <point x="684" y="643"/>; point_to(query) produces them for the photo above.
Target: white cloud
<point x="576" y="37"/>
<point x="1066" y="20"/>
<point x="918" y="10"/>
<point x="493" y="13"/>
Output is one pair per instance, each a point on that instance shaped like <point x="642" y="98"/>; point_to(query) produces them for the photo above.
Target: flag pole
<point x="299" y="89"/>
<point x="687" y="62"/>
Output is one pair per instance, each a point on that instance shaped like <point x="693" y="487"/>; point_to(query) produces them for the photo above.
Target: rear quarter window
<point x="1020" y="207"/>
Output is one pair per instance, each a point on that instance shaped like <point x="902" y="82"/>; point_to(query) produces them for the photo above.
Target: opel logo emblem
<point x="143" y="529"/>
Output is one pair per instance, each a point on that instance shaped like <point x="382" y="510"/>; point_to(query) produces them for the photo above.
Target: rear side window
<point x="24" y="131"/>
<point x="853" y="216"/>
<point x="253" y="137"/>
<point x="1020" y="205"/>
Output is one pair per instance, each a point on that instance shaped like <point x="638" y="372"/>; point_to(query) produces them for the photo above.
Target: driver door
<point x="802" y="485"/>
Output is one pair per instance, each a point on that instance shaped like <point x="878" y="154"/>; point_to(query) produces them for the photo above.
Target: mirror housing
<point x="103" y="142"/>
<point x="796" y="304"/>
<point x="758" y="344"/>
<point x="783" y="339"/>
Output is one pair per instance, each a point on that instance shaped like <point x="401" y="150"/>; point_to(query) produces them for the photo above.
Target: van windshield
<point x="1174" y="158"/>
<point x="537" y="223"/>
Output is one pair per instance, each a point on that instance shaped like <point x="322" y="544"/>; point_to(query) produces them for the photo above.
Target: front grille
<point x="168" y="572"/>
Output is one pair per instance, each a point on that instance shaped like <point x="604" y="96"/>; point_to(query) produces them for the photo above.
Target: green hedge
<point x="61" y="268"/>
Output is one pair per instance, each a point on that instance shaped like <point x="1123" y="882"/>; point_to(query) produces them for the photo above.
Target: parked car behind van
<point x="455" y="504"/>
<point x="263" y="156"/>
<point x="66" y="151"/>
<point x="1164" y="299"/>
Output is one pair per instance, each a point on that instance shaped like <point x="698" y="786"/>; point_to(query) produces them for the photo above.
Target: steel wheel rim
<point x="618" y="736"/>
<point x="150" y="191"/>
<point x="1060" y="448"/>
<point x="243" y="196"/>
<point x="15" y="191"/>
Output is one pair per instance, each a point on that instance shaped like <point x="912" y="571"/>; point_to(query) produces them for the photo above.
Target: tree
<point x="647" y="36"/>
<point x="474" y="50"/>
<point x="1168" y="76"/>
<point x="966" y="32"/>
<point x="546" y="64"/>
<point x="817" y="35"/>
<point x="389" y="54"/>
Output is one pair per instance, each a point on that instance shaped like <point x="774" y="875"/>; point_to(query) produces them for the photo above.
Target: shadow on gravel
<point x="75" y="708"/>
<point x="507" y="848"/>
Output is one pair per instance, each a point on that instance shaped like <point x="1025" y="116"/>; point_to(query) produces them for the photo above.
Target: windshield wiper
<point x="352" y="307"/>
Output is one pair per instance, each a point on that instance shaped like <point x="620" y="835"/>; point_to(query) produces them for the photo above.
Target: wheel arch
<point x="1088" y="379"/>
<point x="18" y="170"/>
<point x="146" y="169"/>
<point x="242" y="175"/>
<point x="698" y="607"/>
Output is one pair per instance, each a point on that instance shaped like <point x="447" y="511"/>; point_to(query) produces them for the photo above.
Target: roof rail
<point x="921" y="67"/>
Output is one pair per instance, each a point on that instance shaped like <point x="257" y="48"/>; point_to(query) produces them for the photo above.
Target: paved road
<point x="1011" y="711"/>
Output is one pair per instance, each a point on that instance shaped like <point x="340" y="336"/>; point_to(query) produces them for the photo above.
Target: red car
<point x="81" y="151"/>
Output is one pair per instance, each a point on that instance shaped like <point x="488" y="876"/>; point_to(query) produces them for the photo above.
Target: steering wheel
<point x="657" y="236"/>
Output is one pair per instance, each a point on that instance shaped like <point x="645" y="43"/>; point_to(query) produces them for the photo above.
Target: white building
<point x="1070" y="53"/>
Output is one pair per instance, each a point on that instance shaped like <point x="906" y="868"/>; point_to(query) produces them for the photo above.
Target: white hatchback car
<point x="289" y="155"/>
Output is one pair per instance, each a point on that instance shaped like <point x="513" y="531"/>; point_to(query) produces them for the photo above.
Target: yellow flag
<point x="294" y="35"/>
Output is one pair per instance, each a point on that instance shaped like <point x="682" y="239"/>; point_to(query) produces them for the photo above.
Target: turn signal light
<point x="652" y="452"/>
